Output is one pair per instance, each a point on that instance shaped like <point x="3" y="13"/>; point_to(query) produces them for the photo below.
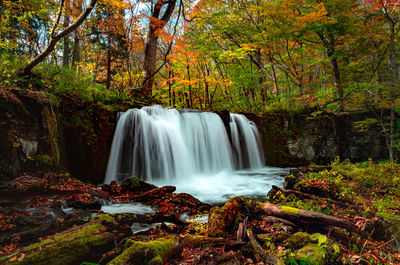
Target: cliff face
<point x="40" y="133"/>
<point x="293" y="140"/>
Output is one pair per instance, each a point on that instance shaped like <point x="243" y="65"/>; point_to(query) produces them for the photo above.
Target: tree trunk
<point x="76" y="53"/>
<point x="108" y="82"/>
<point x="150" y="53"/>
<point x="150" y="62"/>
<point x="66" y="51"/>
<point x="392" y="87"/>
<point x="55" y="39"/>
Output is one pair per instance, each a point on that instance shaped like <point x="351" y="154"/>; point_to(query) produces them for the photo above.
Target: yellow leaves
<point x="116" y="4"/>
<point x="239" y="53"/>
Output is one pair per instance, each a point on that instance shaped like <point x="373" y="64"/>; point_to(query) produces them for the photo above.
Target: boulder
<point x="136" y="185"/>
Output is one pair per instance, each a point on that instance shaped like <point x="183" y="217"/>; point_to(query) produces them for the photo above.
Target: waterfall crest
<point x="156" y="143"/>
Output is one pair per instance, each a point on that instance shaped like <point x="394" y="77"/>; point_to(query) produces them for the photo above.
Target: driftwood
<point x="299" y="216"/>
<point x="242" y="228"/>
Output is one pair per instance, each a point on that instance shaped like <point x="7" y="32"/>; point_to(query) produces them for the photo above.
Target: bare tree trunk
<point x="56" y="38"/>
<point x="150" y="54"/>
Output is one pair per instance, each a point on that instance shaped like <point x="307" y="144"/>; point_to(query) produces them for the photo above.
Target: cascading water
<point x="189" y="149"/>
<point x="155" y="143"/>
<point x="246" y="143"/>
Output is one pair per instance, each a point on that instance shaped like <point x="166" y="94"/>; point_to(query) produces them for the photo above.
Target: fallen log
<point x="272" y="219"/>
<point x="308" y="217"/>
<point x="302" y="195"/>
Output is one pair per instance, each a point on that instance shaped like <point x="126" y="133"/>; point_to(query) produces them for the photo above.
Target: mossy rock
<point x="86" y="242"/>
<point x="316" y="249"/>
<point x="222" y="219"/>
<point x="312" y="254"/>
<point x="149" y="253"/>
<point x="136" y="185"/>
<point x="388" y="228"/>
<point x="330" y="191"/>
<point x="297" y="240"/>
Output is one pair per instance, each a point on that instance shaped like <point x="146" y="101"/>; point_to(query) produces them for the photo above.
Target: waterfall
<point x="155" y="143"/>
<point x="246" y="143"/>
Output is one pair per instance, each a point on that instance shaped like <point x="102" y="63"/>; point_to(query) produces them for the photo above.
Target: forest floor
<point x="339" y="214"/>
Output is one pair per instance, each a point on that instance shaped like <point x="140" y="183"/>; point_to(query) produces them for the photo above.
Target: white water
<point x="246" y="143"/>
<point x="191" y="150"/>
<point x="136" y="208"/>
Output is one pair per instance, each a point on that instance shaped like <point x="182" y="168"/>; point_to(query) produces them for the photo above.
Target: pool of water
<point x="220" y="187"/>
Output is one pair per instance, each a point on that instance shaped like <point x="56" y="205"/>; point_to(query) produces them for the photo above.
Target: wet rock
<point x="154" y="194"/>
<point x="223" y="219"/>
<point x="136" y="185"/>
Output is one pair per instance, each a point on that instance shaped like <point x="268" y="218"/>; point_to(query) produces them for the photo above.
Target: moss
<point x="136" y="185"/>
<point x="312" y="254"/>
<point x="42" y="160"/>
<point x="392" y="225"/>
<point x="216" y="223"/>
<point x="297" y="240"/>
<point x="51" y="121"/>
<point x="69" y="247"/>
<point x="150" y="253"/>
<point x="223" y="219"/>
<point x="290" y="210"/>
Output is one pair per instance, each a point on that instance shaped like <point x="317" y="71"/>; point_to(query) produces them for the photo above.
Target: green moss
<point x="290" y="210"/>
<point x="313" y="254"/>
<point x="69" y="247"/>
<point x="134" y="184"/>
<point x="392" y="223"/>
<point x="297" y="240"/>
<point x="216" y="223"/>
<point x="52" y="128"/>
<point x="150" y="253"/>
<point x="42" y="160"/>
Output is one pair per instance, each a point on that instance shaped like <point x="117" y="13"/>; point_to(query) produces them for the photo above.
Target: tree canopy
<point x="251" y="56"/>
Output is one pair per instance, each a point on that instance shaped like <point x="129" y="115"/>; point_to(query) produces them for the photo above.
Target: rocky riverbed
<point x="322" y="215"/>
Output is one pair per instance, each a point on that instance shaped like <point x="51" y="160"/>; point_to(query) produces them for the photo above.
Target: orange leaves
<point x="318" y="14"/>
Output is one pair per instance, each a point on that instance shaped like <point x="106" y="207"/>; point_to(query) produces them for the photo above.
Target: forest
<point x="199" y="132"/>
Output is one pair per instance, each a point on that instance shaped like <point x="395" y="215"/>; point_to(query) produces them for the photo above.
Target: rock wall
<point x="40" y="134"/>
<point x="301" y="139"/>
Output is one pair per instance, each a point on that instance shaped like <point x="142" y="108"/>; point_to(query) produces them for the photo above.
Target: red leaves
<point x="8" y="249"/>
<point x="38" y="200"/>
